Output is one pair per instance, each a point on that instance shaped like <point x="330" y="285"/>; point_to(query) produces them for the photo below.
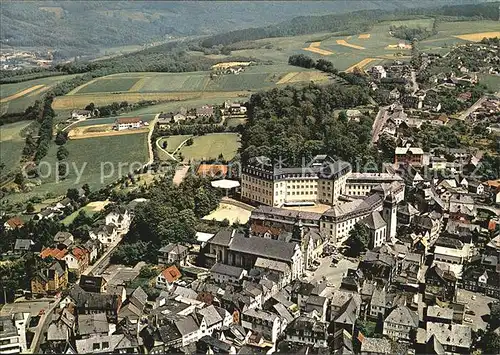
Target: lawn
<point x="109" y="84"/>
<point x="90" y="209"/>
<point x="210" y="146"/>
<point x="11" y="145"/>
<point x="491" y="81"/>
<point x="173" y="142"/>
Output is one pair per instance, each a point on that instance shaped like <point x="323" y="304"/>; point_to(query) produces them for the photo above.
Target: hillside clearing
<point x="210" y="146"/>
<point x="476" y="37"/>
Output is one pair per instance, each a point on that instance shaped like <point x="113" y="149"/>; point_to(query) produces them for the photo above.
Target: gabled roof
<point x="228" y="270"/>
<point x="266" y="248"/>
<point x="53" y="252"/>
<point x="15" y="222"/>
<point x="210" y="315"/>
<point x="171" y="274"/>
<point x="402" y="315"/>
<point x="89" y="324"/>
<point x="374" y="221"/>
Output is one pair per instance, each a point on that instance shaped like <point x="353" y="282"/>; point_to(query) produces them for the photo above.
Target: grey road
<point x="379" y="123"/>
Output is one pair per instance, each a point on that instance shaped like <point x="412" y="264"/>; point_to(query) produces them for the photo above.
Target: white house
<point x="81" y="114"/>
<point x="400" y="322"/>
<point x="120" y="219"/>
<point x="266" y="323"/>
<point x="128" y="123"/>
<point x="106" y="234"/>
<point x="213" y="318"/>
<point x="378" y="72"/>
<point x="13" y="333"/>
<point x="222" y="273"/>
<point x="167" y="277"/>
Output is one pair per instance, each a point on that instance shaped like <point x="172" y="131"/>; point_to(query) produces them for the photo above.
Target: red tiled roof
<point x="79" y="253"/>
<point x="55" y="253"/>
<point x="128" y="120"/>
<point x="15" y="222"/>
<point x="171" y="274"/>
<point x="260" y="229"/>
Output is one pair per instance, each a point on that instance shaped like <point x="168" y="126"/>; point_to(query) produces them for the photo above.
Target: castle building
<point x="322" y="180"/>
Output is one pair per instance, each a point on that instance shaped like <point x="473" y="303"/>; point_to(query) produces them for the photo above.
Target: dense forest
<point x="292" y="123"/>
<point x="355" y="22"/>
<point x="90" y="25"/>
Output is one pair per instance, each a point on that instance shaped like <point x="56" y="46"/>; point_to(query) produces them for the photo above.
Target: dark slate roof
<point x="404" y="316"/>
<point x="374" y="221"/>
<point x="187" y="325"/>
<point x="91" y="282"/>
<point x="267" y="248"/>
<point x="228" y="270"/>
<point x="93" y="300"/>
<point x="215" y="343"/>
<point x="222" y="237"/>
<point x="138" y="298"/>
<point x="89" y="324"/>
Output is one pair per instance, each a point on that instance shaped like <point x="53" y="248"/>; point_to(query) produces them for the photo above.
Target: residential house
<point x="376" y="346"/>
<point x="172" y="253"/>
<point x="80" y="114"/>
<point x="222" y="273"/>
<point x="309" y="331"/>
<point x="440" y="282"/>
<point x="92" y="283"/>
<point x="108" y="344"/>
<point x="167" y="277"/>
<point x="23" y="245"/>
<point x="93" y="324"/>
<point x="63" y="240"/>
<point x="50" y="280"/>
<point x="77" y="260"/>
<point x="400" y="323"/>
<point x="91" y="302"/>
<point x="213" y="318"/>
<point x="409" y="155"/>
<point x="106" y="234"/>
<point x="378" y="72"/>
<point x="266" y="323"/>
<point x="13" y="223"/>
<point x="210" y="345"/>
<point x="94" y="248"/>
<point x="451" y="338"/>
<point x="205" y="111"/>
<point x="120" y="218"/>
<point x="439" y="315"/>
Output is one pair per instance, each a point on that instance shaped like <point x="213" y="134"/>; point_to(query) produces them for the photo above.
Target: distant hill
<point x="88" y="25"/>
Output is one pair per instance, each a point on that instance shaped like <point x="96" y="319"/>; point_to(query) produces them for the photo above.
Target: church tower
<point x="389" y="214"/>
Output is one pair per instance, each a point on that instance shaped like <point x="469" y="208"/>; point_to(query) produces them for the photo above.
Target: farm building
<point x="128" y="123"/>
<point x="81" y="114"/>
<point x="205" y="111"/>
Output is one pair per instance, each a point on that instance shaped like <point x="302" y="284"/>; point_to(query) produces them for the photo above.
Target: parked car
<point x="468" y="320"/>
<point x="472" y="313"/>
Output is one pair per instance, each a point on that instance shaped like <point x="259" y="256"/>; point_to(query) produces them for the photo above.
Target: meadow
<point x="173" y="142"/>
<point x="11" y="145"/>
<point x="17" y="97"/>
<point x="210" y="146"/>
<point x="89" y="156"/>
<point x="109" y="85"/>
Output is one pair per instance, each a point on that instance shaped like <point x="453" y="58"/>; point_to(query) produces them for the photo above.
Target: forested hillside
<point x="291" y="123"/>
<point x="87" y="25"/>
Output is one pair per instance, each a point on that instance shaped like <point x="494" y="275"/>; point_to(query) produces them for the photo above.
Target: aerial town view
<point x="250" y="177"/>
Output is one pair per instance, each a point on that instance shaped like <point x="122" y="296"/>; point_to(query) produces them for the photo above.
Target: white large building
<point x="13" y="333"/>
<point x="322" y="180"/>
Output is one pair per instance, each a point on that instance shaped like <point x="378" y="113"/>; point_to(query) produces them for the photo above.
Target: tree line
<point x="351" y="23"/>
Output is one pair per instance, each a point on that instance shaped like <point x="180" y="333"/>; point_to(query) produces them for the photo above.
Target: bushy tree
<point x="358" y="240"/>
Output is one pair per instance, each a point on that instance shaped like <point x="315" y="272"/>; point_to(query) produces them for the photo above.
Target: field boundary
<point x="343" y="42"/>
<point x="81" y="100"/>
<point x="478" y="36"/>
<point x="105" y="134"/>
<point x="314" y="48"/>
<point x="360" y="64"/>
<point x="21" y="93"/>
<point x="139" y="84"/>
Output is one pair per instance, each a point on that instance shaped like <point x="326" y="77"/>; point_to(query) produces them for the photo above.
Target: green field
<point x="173" y="142"/>
<point x="211" y="145"/>
<point x="491" y="81"/>
<point x="89" y="156"/>
<point x="19" y="104"/>
<point x="11" y="145"/>
<point x="109" y="85"/>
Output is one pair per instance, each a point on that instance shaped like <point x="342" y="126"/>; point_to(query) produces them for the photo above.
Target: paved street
<point x="333" y="275"/>
<point x="379" y="123"/>
<point x="479" y="306"/>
